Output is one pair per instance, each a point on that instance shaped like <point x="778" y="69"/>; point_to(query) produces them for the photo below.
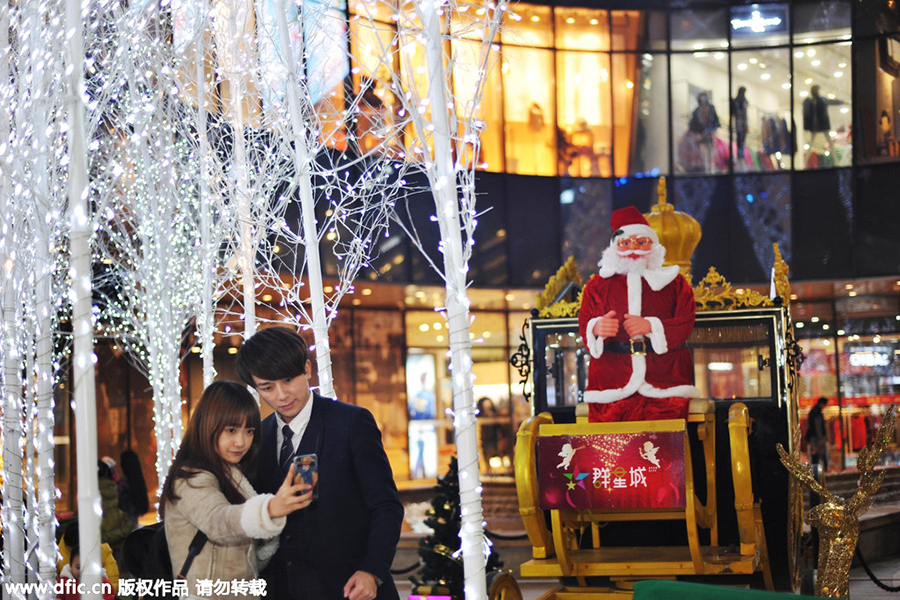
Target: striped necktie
<point x="287" y="448"/>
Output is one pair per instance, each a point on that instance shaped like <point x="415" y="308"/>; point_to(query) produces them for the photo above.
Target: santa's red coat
<point x="664" y="372"/>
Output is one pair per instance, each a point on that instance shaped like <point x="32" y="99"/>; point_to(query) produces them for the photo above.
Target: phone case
<point x="307" y="468"/>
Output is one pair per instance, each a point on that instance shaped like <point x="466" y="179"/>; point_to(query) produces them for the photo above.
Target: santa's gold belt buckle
<point x="638" y="347"/>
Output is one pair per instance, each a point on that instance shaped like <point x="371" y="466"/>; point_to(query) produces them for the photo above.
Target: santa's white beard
<point x="619" y="262"/>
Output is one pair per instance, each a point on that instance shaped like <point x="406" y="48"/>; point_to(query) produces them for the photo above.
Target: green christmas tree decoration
<point x="441" y="566"/>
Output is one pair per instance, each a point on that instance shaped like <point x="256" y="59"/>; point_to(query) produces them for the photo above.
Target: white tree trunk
<point x="443" y="179"/>
<point x="206" y="320"/>
<point x="307" y="210"/>
<point x="82" y="325"/>
<point x="14" y="541"/>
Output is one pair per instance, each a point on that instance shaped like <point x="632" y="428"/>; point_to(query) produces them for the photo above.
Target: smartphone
<point x="306" y="466"/>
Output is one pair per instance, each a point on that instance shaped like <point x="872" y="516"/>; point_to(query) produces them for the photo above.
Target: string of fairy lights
<point x="183" y="203"/>
<point x="33" y="271"/>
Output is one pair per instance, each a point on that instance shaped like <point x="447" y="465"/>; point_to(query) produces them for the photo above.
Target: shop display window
<point x="822" y="106"/>
<point x="637" y="30"/>
<point x="878" y="95"/>
<point x="700" y="102"/>
<point x="760" y="111"/>
<point x="625" y="78"/>
<point x="530" y="26"/>
<point x="529" y="110"/>
<point x="699" y="29"/>
<point x="489" y="112"/>
<point x="648" y="155"/>
<point x="584" y="115"/>
<point x="582" y="29"/>
<point x="373" y="65"/>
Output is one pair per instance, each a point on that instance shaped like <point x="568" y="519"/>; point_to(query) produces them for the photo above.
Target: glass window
<point x="629" y="29"/>
<point x="372" y="76"/>
<point x="582" y="29"/>
<point x="699" y="109"/>
<point x="584" y="115"/>
<point x="648" y="155"/>
<point x="822" y="105"/>
<point x="763" y="204"/>
<point x="821" y="21"/>
<point x="529" y="111"/>
<point x="489" y="112"/>
<point x="373" y="9"/>
<point x="529" y="26"/>
<point x="877" y="91"/>
<point x="699" y="29"/>
<point x="760" y="25"/>
<point x="625" y="75"/>
<point x="760" y="114"/>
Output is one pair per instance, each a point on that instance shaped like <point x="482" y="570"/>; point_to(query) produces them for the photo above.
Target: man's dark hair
<point x="822" y="401"/>
<point x="272" y="353"/>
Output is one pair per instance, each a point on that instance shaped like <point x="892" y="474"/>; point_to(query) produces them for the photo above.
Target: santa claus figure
<point x="635" y="318"/>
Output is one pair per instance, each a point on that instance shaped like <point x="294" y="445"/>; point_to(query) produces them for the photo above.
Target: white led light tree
<point x="297" y="175"/>
<point x="33" y="260"/>
<point x="456" y="40"/>
<point x="145" y="175"/>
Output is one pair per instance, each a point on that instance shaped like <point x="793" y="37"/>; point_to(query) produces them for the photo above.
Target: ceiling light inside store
<point x="852" y="294"/>
<point x="742" y="67"/>
<point x="720" y="366"/>
<point x="423" y="327"/>
<point x="594" y="21"/>
<point x="815" y="320"/>
<point x="826" y="342"/>
<point x="570" y="20"/>
<point x="798" y="54"/>
<point x="815" y="62"/>
<point x="841" y="332"/>
<point x="753" y="61"/>
<point x="439" y="338"/>
<point x="811" y="52"/>
<point x="765" y="77"/>
<point x="535" y="18"/>
<point x="719" y="55"/>
<point x="785" y="86"/>
<point x="826" y="327"/>
<point x="808" y="80"/>
<point x="800" y="325"/>
<point x="437" y="326"/>
<point x="842" y="65"/>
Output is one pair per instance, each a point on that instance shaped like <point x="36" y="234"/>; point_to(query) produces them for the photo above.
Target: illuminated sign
<point x="747" y="21"/>
<point x="612" y="470"/>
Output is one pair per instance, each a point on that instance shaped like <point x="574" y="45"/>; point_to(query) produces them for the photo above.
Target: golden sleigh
<point x="739" y="518"/>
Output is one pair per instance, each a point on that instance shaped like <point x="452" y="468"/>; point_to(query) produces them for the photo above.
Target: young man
<point x="634" y="319"/>
<point x="343" y="544"/>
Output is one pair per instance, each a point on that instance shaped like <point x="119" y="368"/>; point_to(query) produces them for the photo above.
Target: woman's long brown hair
<point x="223" y="404"/>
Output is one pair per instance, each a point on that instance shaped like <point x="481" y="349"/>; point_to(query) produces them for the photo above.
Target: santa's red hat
<point x="629" y="221"/>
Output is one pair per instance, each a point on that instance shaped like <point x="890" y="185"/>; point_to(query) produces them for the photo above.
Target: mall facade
<point x="585" y="108"/>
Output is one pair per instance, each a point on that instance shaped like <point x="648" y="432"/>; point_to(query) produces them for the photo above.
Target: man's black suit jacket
<point x="355" y="523"/>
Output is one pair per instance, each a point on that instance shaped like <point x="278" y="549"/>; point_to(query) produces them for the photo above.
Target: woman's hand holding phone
<point x="290" y="496"/>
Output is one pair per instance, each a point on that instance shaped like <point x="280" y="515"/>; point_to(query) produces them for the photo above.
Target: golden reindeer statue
<point x="837" y="519"/>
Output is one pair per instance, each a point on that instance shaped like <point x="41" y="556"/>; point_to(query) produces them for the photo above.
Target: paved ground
<point x="861" y="586"/>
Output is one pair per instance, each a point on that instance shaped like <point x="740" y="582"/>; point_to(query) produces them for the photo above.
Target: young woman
<point x="207" y="489"/>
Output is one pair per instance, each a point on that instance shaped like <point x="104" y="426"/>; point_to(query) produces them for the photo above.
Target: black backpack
<point x="145" y="553"/>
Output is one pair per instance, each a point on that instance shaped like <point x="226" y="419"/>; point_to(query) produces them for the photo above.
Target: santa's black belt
<point x="630" y="347"/>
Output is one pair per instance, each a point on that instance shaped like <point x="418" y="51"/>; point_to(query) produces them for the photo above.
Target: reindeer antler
<point x="801" y="472"/>
<point x="869" y="481"/>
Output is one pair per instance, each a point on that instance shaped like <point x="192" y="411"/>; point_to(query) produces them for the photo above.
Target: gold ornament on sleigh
<point x="837" y="519"/>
